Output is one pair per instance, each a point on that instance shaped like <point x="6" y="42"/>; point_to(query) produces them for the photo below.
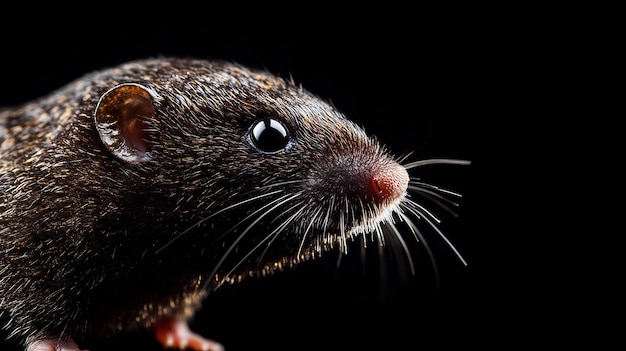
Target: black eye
<point x="269" y="135"/>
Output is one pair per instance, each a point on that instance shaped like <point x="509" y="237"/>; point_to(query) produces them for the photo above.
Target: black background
<point x="437" y="82"/>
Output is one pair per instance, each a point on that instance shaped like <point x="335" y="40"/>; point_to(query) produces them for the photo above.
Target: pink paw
<point x="53" y="344"/>
<point x="176" y="335"/>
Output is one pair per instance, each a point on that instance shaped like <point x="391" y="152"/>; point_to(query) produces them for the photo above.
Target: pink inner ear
<point x="137" y="112"/>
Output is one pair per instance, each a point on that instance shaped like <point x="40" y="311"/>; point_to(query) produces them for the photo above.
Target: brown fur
<point x="85" y="237"/>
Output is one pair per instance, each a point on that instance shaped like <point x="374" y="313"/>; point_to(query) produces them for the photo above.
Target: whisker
<point x="314" y="219"/>
<point x="342" y="226"/>
<point x="438" y="199"/>
<point x="405" y="248"/>
<point x="254" y="213"/>
<point x="198" y="223"/>
<point x="419" y="237"/>
<point x="271" y="237"/>
<point x="382" y="238"/>
<point x="421" y="211"/>
<point x="327" y="218"/>
<point x="416" y="210"/>
<point x="273" y="185"/>
<point x="404" y="157"/>
<point x="280" y="228"/>
<point x="276" y="204"/>
<point x="422" y="186"/>
<point x="382" y="269"/>
<point x="432" y="195"/>
<point x="362" y="206"/>
<point x="435" y="161"/>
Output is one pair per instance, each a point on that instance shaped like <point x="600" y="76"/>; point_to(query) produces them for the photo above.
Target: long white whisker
<point x="195" y="225"/>
<point x="402" y="242"/>
<point x="275" y="233"/>
<point x="419" y="237"/>
<point x="423" y="212"/>
<point x="379" y="232"/>
<point x="327" y="218"/>
<point x="342" y="227"/>
<point x="438" y="199"/>
<point x="416" y="211"/>
<point x="423" y="186"/>
<point x="382" y="269"/>
<point x="314" y="218"/>
<point x="278" y="201"/>
<point x="404" y="157"/>
<point x="270" y="236"/>
<point x="435" y="161"/>
<point x="362" y="206"/>
<point x="275" y="204"/>
<point x="273" y="185"/>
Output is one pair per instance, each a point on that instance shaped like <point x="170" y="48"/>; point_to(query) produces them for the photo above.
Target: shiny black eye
<point x="269" y="135"/>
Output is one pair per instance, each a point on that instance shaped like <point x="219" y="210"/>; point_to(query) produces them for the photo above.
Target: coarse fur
<point x="92" y="243"/>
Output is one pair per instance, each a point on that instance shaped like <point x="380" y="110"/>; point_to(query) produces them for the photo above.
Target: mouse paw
<point x="53" y="344"/>
<point x="176" y="335"/>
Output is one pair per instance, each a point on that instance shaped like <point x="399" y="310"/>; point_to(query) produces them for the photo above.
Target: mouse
<point x="131" y="193"/>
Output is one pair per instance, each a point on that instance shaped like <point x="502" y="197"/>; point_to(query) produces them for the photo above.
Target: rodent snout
<point x="380" y="182"/>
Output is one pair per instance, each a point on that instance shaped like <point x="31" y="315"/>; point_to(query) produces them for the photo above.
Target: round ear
<point x="123" y="118"/>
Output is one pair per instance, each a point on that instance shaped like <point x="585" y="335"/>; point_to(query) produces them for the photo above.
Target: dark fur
<point x="84" y="236"/>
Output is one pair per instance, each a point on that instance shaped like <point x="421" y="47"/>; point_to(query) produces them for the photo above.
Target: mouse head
<point x="285" y="170"/>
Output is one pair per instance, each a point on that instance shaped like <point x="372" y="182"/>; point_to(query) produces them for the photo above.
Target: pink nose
<point x="389" y="183"/>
